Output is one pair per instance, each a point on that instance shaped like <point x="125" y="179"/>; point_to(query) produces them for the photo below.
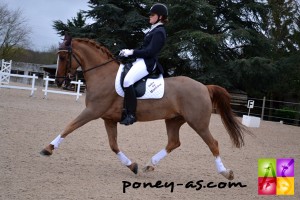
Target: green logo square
<point x="267" y="167"/>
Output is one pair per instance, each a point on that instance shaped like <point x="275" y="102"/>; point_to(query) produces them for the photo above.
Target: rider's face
<point x="153" y="18"/>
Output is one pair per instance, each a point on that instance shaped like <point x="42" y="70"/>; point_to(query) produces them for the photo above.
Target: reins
<point x="100" y="65"/>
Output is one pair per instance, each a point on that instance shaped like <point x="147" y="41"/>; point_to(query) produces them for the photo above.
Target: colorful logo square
<point x="267" y="167"/>
<point x="276" y="176"/>
<point x="285" y="186"/>
<point x="285" y="167"/>
<point x="267" y="186"/>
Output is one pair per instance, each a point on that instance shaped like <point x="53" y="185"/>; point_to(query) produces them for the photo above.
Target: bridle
<point x="71" y="55"/>
<point x="68" y="73"/>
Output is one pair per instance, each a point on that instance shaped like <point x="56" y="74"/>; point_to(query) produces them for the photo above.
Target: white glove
<point x="126" y="52"/>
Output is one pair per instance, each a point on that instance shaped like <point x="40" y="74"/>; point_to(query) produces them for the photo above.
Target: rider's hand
<point x="126" y="52"/>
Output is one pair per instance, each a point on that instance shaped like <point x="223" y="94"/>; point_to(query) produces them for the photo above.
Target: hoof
<point x="148" y="169"/>
<point x="47" y="151"/>
<point x="228" y="174"/>
<point x="134" y="168"/>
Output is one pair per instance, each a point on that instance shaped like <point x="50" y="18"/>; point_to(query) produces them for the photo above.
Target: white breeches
<point x="136" y="73"/>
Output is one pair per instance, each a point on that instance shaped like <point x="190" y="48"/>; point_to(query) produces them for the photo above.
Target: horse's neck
<point x="100" y="91"/>
<point x="100" y="81"/>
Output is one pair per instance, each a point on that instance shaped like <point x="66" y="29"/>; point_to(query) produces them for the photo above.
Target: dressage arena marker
<point x="77" y="94"/>
<point x="251" y="121"/>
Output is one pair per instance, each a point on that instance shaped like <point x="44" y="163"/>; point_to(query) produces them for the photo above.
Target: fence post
<point x="46" y="86"/>
<point x="297" y="116"/>
<point x="263" y="109"/>
<point x="32" y="85"/>
<point x="78" y="89"/>
<point x="5" y="72"/>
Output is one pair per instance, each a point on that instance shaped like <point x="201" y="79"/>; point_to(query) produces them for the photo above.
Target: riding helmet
<point x="159" y="9"/>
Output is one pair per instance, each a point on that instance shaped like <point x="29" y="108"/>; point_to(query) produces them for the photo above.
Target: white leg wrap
<point x="124" y="160"/>
<point x="57" y="141"/>
<point x="157" y="157"/>
<point x="219" y="165"/>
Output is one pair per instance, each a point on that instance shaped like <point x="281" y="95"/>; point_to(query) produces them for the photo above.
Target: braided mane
<point x="96" y="45"/>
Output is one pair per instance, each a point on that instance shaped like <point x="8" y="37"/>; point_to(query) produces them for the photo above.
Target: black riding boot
<point x="128" y="115"/>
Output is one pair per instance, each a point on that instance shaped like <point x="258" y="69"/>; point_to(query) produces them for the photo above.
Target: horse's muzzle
<point x="59" y="81"/>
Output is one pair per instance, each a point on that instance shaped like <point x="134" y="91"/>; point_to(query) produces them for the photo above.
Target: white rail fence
<point x="272" y="110"/>
<point x="46" y="90"/>
<point x="32" y="88"/>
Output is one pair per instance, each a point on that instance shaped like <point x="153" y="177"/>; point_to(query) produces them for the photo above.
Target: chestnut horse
<point x="184" y="101"/>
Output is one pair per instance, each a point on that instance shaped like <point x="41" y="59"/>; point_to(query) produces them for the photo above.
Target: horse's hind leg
<point x="214" y="148"/>
<point x="112" y="133"/>
<point x="85" y="116"/>
<point x="173" y="125"/>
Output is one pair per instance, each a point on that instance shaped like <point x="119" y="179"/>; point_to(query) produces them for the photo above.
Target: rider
<point x="146" y="62"/>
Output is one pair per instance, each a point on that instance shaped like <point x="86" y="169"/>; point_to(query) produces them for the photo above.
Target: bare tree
<point x="14" y="32"/>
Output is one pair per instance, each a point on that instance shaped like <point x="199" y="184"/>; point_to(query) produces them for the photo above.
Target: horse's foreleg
<point x="85" y="116"/>
<point x="111" y="129"/>
<point x="173" y="125"/>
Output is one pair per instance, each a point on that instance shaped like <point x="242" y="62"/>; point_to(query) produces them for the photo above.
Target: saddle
<point x="139" y="86"/>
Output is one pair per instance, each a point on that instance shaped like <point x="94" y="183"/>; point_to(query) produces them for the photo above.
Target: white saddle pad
<point x="154" y="87"/>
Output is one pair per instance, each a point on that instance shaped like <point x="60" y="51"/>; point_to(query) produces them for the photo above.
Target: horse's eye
<point x="62" y="58"/>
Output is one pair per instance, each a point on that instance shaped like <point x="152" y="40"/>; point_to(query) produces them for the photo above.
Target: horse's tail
<point x="221" y="102"/>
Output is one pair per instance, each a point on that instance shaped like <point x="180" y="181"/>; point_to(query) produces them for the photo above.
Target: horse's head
<point x="82" y="52"/>
<point x="67" y="62"/>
